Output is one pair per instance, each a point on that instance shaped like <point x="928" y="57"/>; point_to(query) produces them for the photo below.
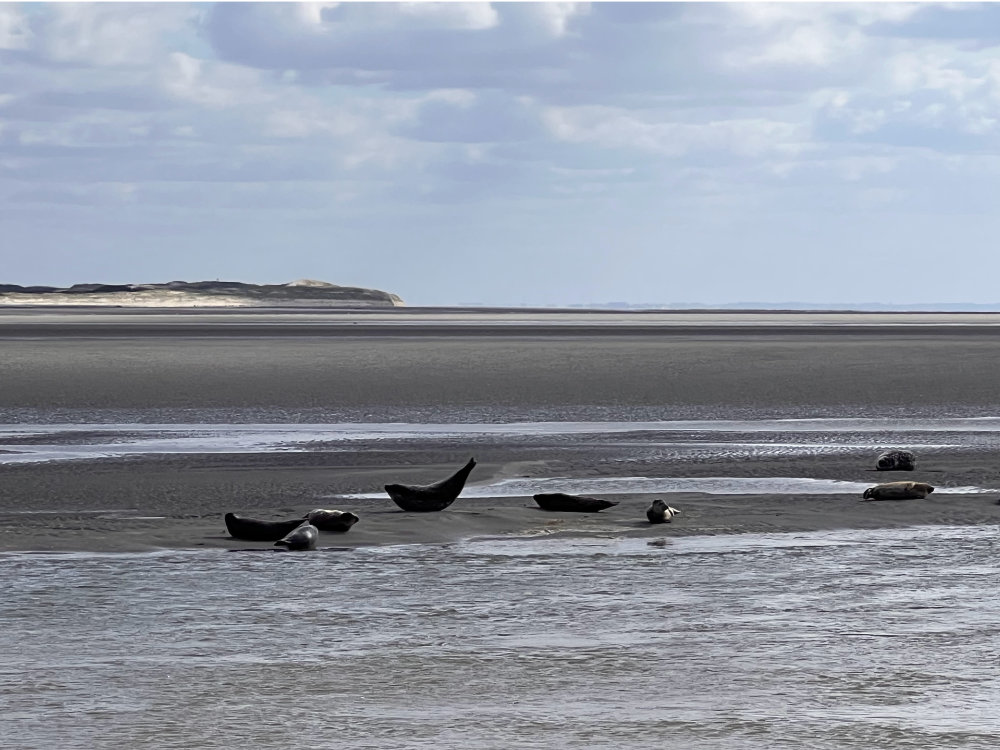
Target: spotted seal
<point x="336" y="521"/>
<point x="660" y="512"/>
<point x="898" y="491"/>
<point x="431" y="497"/>
<point x="302" y="537"/>
<point x="895" y="461"/>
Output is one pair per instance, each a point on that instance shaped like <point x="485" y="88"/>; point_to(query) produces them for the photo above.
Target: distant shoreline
<point x="195" y="294"/>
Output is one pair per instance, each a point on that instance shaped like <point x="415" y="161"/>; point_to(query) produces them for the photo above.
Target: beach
<point x="70" y="370"/>
<point x="778" y="609"/>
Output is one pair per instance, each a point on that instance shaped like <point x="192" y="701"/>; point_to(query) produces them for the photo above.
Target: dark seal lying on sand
<point x="431" y="497"/>
<point x="335" y="521"/>
<point x="558" y="501"/>
<point x="895" y="461"/>
<point x="898" y="491"/>
<point x="254" y="530"/>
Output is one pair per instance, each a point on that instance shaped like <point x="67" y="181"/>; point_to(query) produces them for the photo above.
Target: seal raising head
<point x="304" y="537"/>
<point x="431" y="497"/>
<point x="660" y="512"/>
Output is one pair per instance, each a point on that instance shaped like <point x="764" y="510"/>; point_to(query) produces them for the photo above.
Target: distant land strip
<point x="182" y="294"/>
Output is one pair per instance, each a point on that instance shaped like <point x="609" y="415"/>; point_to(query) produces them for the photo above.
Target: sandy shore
<point x="178" y="502"/>
<point x="291" y="374"/>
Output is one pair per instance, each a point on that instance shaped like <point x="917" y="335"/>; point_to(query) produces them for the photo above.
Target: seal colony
<point x="303" y="533"/>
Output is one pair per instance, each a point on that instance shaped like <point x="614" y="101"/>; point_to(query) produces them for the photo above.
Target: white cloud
<point x="211" y="84"/>
<point x="451" y="15"/>
<point x="811" y="44"/>
<point x="619" y="129"/>
<point x="108" y="34"/>
<point x="14" y="30"/>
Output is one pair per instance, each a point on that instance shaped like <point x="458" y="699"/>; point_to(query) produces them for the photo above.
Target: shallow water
<point x="824" y="640"/>
<point x="666" y="485"/>
<point x="30" y="443"/>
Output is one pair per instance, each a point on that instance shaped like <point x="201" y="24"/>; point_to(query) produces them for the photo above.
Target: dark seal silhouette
<point x="558" y="501"/>
<point x="895" y="461"/>
<point x="336" y="521"/>
<point x="660" y="512"/>
<point x="431" y="497"/>
<point x="253" y="530"/>
<point x="302" y="537"/>
<point x="898" y="491"/>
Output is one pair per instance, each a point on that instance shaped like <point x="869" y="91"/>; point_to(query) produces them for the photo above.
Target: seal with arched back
<point x="898" y="491"/>
<point x="895" y="461"/>
<point x="431" y="497"/>
<point x="254" y="530"/>
<point x="561" y="502"/>
<point x="303" y="537"/>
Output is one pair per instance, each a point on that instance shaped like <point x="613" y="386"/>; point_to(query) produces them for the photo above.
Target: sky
<point x="508" y="153"/>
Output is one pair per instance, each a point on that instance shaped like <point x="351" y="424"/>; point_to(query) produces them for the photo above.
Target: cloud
<point x="15" y="33"/>
<point x="620" y="129"/>
<point x="101" y="34"/>
<point x="552" y="128"/>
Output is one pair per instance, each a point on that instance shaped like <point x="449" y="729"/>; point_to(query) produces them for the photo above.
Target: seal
<point x="253" y="530"/>
<point x="302" y="537"/>
<point x="558" y="501"/>
<point x="898" y="491"/>
<point x="895" y="461"/>
<point x="336" y="521"/>
<point x="660" y="512"/>
<point x="431" y="497"/>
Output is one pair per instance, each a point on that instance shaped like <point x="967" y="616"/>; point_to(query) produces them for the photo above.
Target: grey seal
<point x="303" y="537"/>
<point x="898" y="491"/>
<point x="431" y="497"/>
<point x="336" y="521"/>
<point x="660" y="512"/>
<point x="254" y="530"/>
<point x="895" y="461"/>
<point x="561" y="502"/>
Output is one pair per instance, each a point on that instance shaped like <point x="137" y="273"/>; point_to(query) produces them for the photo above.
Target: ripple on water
<point x="822" y="640"/>
<point x="66" y="442"/>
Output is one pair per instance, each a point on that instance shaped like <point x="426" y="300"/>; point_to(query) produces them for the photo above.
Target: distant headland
<point x="301" y="293"/>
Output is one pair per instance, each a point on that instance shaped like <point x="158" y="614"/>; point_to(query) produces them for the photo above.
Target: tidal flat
<point x="777" y="610"/>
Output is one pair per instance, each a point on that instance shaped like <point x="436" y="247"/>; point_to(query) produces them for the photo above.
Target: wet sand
<point x="71" y="367"/>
